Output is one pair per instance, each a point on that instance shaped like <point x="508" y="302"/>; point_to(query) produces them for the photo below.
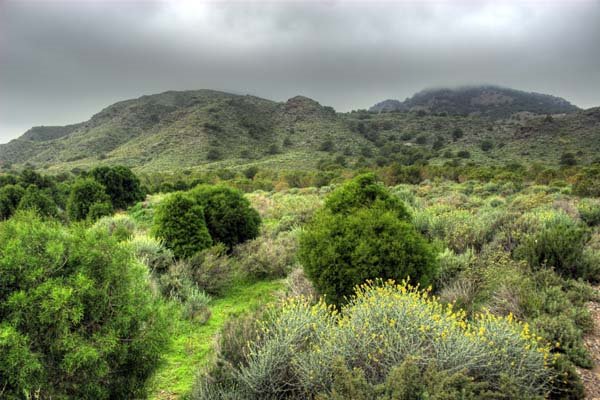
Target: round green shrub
<point x="179" y="221"/>
<point x="229" y="216"/>
<point x="78" y="317"/>
<point x="84" y="193"/>
<point x="559" y="243"/>
<point x="364" y="191"/>
<point x="340" y="251"/>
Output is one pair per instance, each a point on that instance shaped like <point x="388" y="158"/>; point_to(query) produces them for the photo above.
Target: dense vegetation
<point x="363" y="233"/>
<point x="78" y="317"/>
<point x="104" y="273"/>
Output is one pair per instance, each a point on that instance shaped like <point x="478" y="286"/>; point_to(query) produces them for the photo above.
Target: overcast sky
<point x="61" y="62"/>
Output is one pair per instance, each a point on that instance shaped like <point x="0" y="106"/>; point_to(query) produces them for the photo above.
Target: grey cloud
<point x="62" y="61"/>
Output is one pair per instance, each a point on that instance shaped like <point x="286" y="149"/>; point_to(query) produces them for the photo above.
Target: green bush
<point x="364" y="191"/>
<point x="340" y="251"/>
<point x="589" y="211"/>
<point x="588" y="183"/>
<point x="229" y="217"/>
<point x="121" y="185"/>
<point x="559" y="243"/>
<point x="69" y="297"/>
<point x="99" y="210"/>
<point x="10" y="196"/>
<point x="39" y="200"/>
<point x="212" y="269"/>
<point x="463" y="154"/>
<point x="85" y="192"/>
<point x="265" y="257"/>
<point x="179" y="222"/>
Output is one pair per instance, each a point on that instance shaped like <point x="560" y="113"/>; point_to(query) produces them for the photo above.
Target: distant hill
<point x="206" y="129"/>
<point x="491" y="101"/>
<point x="182" y="129"/>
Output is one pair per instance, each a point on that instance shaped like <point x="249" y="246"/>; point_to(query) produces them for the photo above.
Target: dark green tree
<point x="340" y="251"/>
<point x="38" y="200"/>
<point x="568" y="159"/>
<point x="10" y="196"/>
<point x="229" y="216"/>
<point x="180" y="222"/>
<point x="121" y="184"/>
<point x="364" y="191"/>
<point x="363" y="232"/>
<point x="85" y="192"/>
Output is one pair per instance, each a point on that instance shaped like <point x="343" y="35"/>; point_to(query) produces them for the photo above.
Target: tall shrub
<point x="85" y="192"/>
<point x="229" y="216"/>
<point x="78" y="317"/>
<point x="120" y="184"/>
<point x="363" y="233"/>
<point x="179" y="221"/>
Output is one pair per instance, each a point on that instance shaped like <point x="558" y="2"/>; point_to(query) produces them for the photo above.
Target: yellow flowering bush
<point x="385" y="324"/>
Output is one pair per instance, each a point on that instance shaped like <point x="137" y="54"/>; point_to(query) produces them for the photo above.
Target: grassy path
<point x="193" y="344"/>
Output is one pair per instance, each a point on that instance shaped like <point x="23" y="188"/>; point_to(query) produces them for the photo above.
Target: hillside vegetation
<point x="207" y="130"/>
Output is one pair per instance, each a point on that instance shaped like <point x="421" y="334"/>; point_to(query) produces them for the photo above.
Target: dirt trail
<point x="591" y="378"/>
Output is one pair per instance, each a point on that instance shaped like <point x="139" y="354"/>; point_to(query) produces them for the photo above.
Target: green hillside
<point x="207" y="129"/>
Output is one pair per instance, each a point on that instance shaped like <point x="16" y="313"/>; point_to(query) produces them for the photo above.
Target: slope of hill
<point x="492" y="101"/>
<point x="211" y="130"/>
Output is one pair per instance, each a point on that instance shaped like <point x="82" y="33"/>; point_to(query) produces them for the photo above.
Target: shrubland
<point x="508" y="252"/>
<point x="78" y="317"/>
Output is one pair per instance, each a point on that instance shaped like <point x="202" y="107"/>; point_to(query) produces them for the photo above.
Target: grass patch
<point x="193" y="344"/>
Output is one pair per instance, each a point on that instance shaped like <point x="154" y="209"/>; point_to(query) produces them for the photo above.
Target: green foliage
<point x="85" y="192"/>
<point x="214" y="154"/>
<point x="341" y="251"/>
<point x="390" y="342"/>
<point x="589" y="211"/>
<point x="588" y="183"/>
<point x="568" y="159"/>
<point x="20" y="370"/>
<point x="364" y="191"/>
<point x="212" y="270"/>
<point x="39" y="200"/>
<point x="120" y="226"/>
<point x="10" y="196"/>
<point x="152" y="253"/>
<point x="463" y="154"/>
<point x="266" y="257"/>
<point x="229" y="217"/>
<point x="99" y="210"/>
<point x="457" y="133"/>
<point x="559" y="243"/>
<point x="69" y="298"/>
<point x="121" y="184"/>
<point x="179" y="222"/>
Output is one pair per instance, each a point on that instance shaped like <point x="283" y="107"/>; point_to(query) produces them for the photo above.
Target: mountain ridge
<point x="489" y="100"/>
<point x="213" y="129"/>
